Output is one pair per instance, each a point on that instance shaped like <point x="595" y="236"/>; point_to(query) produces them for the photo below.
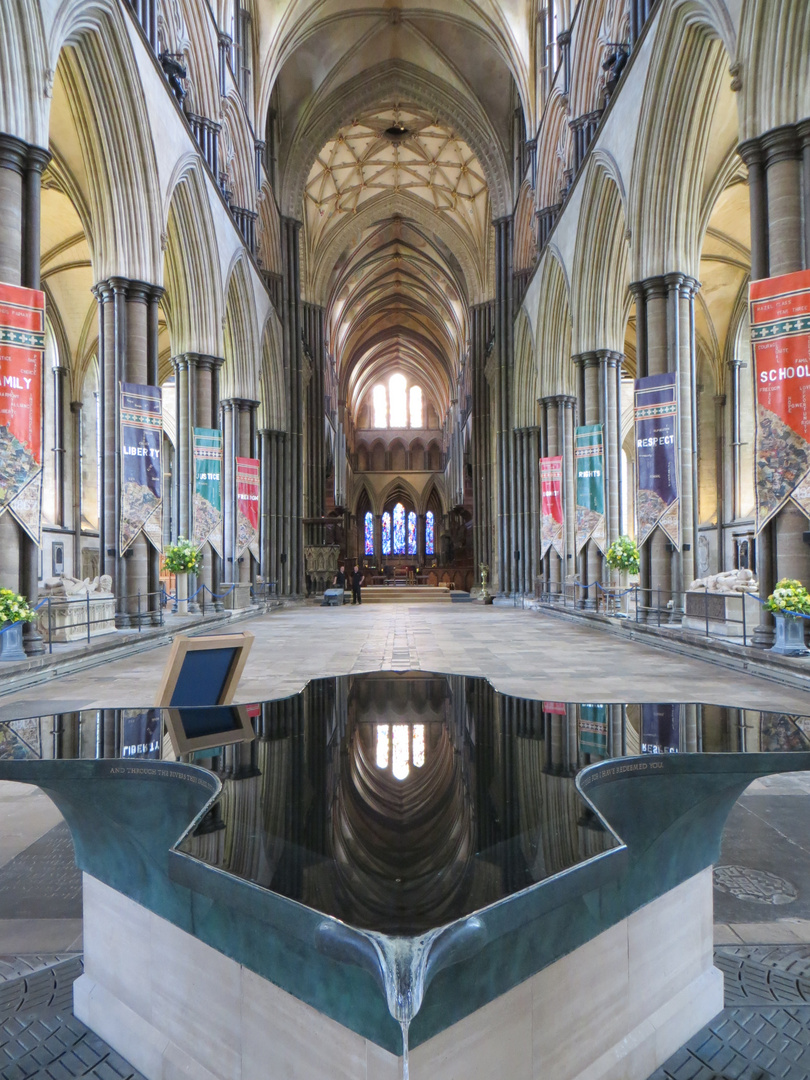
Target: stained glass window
<point x="398" y="401"/>
<point x="380" y="407"/>
<point x="412" y="533"/>
<point x="386" y="533"/>
<point x="369" y="533"/>
<point x="399" y="529"/>
<point x="416" y="406"/>
<point x="429" y="543"/>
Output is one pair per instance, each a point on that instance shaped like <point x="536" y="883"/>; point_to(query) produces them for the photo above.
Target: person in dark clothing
<point x="357" y="581"/>
<point x="339" y="580"/>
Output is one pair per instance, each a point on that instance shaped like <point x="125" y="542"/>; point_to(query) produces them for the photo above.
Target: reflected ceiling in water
<point x="399" y="802"/>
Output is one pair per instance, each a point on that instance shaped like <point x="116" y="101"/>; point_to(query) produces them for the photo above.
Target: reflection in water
<point x="401" y="802"/>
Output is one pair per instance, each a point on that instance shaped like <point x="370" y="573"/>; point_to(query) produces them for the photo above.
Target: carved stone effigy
<point x="717" y="602"/>
<point x="65" y="618"/>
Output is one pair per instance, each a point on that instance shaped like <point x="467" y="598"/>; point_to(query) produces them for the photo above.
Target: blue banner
<point x="660" y="729"/>
<point x="141" y="446"/>
<point x="656" y="430"/>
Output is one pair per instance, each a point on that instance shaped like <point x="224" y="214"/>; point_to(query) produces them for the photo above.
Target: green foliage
<point x="183" y="557"/>
<point x="14" y="608"/>
<point x="623" y="555"/>
<point x="789" y="596"/>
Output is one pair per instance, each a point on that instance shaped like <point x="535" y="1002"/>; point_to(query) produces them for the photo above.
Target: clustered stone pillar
<point x="665" y="322"/>
<point x="527" y="459"/>
<point x="482" y="328"/>
<point x="196" y="380"/>
<point x="314" y="319"/>
<point x="128" y="353"/>
<point x="779" y="191"/>
<point x="21" y="167"/>
<point x="294" y="446"/>
<point x="238" y="440"/>
<point x="274" y="513"/>
<point x="503" y="404"/>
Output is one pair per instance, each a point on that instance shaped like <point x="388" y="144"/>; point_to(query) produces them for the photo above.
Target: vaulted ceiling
<point x="393" y="125"/>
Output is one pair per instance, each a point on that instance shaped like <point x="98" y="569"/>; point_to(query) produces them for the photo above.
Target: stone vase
<point x="789" y="635"/>
<point x="11" y="647"/>
<point x="181" y="589"/>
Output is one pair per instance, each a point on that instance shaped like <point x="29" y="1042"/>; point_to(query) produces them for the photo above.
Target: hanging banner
<point x="207" y="488"/>
<point x="593" y="730"/>
<point x="556" y="708"/>
<point x="22" y="349"/>
<point x="780" y="340"/>
<point x="590" y="486"/>
<point x="140" y="733"/>
<point x="141" y="439"/>
<point x="656" y="430"/>
<point x="553" y="524"/>
<point x="660" y="729"/>
<point x="248" y="471"/>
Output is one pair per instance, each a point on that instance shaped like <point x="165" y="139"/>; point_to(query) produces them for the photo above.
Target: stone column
<point x="76" y="486"/>
<point x="553" y="564"/>
<point x="566" y="421"/>
<point x="127" y="352"/>
<point x="534" y="503"/>
<point x="504" y="342"/>
<point x="59" y="375"/>
<point x="265" y="456"/>
<point x="247" y="443"/>
<point x="292" y="324"/>
<point x="21" y="169"/>
<point x="230" y="443"/>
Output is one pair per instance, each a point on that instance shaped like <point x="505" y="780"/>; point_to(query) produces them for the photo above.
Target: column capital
<point x="131" y="289"/>
<point x="13" y="154"/>
<point x="585" y="359"/>
<point x="751" y="152"/>
<point x="803" y="132"/>
<point x="610" y="358"/>
<point x="780" y="144"/>
<point x="242" y="404"/>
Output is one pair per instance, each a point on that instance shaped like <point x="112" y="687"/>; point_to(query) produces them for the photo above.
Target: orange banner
<point x="780" y="340"/>
<point x="22" y="347"/>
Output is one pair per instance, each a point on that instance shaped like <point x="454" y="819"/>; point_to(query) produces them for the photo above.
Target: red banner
<point x="556" y="708"/>
<point x="248" y="472"/>
<point x="552" y="527"/>
<point x="22" y="347"/>
<point x="780" y="339"/>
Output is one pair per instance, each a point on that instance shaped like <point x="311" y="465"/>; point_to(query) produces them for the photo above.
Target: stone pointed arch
<point x="688" y="65"/>
<point x="192" y="270"/>
<point x="240" y="372"/>
<point x="273" y="396"/>
<point x="398" y="488"/>
<point x="400" y="81"/>
<point x="23" y="100"/>
<point x="776" y="75"/>
<point x="92" y="53"/>
<point x="238" y="153"/>
<point x="553" y="344"/>
<point x="525" y="392"/>
<point x="432" y="493"/>
<point x="553" y="152"/>
<point x="600" y="279"/>
<point x="525" y="246"/>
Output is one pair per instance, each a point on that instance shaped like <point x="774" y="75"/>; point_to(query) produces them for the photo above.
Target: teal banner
<point x="593" y="730"/>
<point x="590" y="460"/>
<point x="208" y="488"/>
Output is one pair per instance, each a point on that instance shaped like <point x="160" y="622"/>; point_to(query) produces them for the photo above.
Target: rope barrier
<point x="213" y="595"/>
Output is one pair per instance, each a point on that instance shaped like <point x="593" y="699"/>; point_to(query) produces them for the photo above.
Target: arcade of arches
<point x="398" y="253"/>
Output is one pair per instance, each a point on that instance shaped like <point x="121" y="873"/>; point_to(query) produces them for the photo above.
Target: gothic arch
<point x="241" y="368"/>
<point x="553" y="152"/>
<point x="525" y="393"/>
<point x="105" y="98"/>
<point x="776" y="77"/>
<point x="555" y="370"/>
<point x="238" y="154"/>
<point x="525" y="247"/>
<point x="192" y="271"/>
<point x="681" y="95"/>
<point x="600" y="282"/>
<point x="273" y="407"/>
<point x="22" y="49"/>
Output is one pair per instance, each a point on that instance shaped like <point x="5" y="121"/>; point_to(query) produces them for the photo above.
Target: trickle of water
<point x="404" y="1024"/>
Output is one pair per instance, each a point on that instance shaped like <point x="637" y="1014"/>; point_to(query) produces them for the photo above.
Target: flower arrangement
<point x="183" y="557"/>
<point x="623" y="555"/>
<point x="789" y="597"/>
<point x="14" y="608"/>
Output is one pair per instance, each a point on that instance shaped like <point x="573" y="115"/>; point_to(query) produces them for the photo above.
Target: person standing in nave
<point x="357" y="582"/>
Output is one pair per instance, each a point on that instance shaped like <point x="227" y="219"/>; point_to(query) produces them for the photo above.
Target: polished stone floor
<point x="763" y="894"/>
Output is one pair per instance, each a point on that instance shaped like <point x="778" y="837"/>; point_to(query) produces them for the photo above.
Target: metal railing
<point x="706" y="611"/>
